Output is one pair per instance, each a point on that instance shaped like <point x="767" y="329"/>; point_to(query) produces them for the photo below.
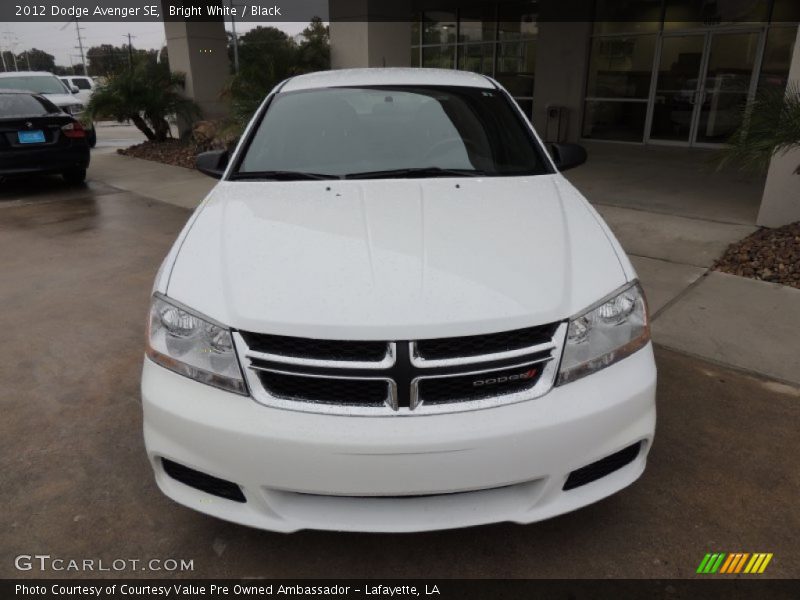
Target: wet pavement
<point x="75" y="277"/>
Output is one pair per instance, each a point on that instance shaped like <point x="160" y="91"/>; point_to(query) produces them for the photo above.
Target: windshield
<point x="22" y="105"/>
<point x="41" y="84"/>
<point x="408" y="130"/>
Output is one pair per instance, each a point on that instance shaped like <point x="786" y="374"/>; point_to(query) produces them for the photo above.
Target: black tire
<point x="74" y="176"/>
<point x="91" y="138"/>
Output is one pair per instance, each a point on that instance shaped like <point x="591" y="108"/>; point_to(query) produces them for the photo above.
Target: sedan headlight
<point x="75" y="109"/>
<point x="607" y="332"/>
<point x="195" y="346"/>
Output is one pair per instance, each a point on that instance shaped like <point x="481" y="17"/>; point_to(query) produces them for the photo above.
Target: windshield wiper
<point x="281" y="175"/>
<point x="416" y="172"/>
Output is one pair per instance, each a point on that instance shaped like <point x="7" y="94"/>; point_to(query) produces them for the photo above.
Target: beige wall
<point x="200" y="51"/>
<point x="359" y="38"/>
<point x="562" y="52"/>
<point x="781" y="201"/>
<point x="373" y="44"/>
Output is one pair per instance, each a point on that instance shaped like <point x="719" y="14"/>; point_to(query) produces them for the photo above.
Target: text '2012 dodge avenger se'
<point x="393" y="313"/>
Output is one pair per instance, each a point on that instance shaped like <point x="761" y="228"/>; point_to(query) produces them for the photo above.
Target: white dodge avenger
<point x="393" y="313"/>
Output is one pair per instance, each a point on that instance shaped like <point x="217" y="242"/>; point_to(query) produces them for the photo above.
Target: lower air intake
<point x="601" y="468"/>
<point x="201" y="481"/>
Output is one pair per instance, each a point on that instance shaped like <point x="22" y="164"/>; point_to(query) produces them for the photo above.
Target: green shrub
<point x="148" y="95"/>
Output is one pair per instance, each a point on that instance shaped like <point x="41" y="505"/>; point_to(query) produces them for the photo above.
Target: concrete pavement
<point x="77" y="268"/>
<point x="752" y="325"/>
<point x="165" y="183"/>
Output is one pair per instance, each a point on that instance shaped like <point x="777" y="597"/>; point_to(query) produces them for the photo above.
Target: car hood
<point x="394" y="259"/>
<point x="62" y="99"/>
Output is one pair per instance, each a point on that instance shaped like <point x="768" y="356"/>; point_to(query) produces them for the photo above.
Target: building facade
<point x="641" y="71"/>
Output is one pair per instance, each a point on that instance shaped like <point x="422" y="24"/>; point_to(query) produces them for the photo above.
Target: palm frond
<point x="770" y="125"/>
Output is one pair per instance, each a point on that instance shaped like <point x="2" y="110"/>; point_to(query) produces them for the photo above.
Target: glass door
<point x="702" y="82"/>
<point x="678" y="84"/>
<point x="727" y="84"/>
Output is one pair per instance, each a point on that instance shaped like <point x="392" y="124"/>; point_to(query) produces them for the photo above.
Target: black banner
<point x="701" y="11"/>
<point x="434" y="589"/>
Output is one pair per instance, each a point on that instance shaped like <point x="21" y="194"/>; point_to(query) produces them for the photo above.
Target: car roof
<point x="387" y="76"/>
<point x="25" y="73"/>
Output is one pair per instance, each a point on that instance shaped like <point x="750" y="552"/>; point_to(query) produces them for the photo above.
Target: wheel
<point x="91" y="137"/>
<point x="74" y="176"/>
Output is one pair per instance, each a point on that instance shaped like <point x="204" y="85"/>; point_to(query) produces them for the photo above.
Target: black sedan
<point x="37" y="137"/>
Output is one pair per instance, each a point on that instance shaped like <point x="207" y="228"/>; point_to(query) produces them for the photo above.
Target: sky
<point x="60" y="39"/>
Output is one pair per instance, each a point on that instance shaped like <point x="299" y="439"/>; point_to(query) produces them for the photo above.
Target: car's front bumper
<point x="304" y="470"/>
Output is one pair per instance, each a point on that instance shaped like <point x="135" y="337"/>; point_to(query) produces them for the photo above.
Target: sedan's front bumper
<point x="303" y="470"/>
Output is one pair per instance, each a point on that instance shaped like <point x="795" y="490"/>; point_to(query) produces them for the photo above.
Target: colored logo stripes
<point x="734" y="562"/>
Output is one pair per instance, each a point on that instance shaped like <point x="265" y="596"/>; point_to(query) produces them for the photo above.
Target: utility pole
<point x="80" y="47"/>
<point x="130" y="50"/>
<point x="235" y="40"/>
<point x="28" y="60"/>
<point x="11" y="41"/>
<point x="3" y="56"/>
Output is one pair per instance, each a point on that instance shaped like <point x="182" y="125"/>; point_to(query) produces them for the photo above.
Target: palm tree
<point x="146" y="94"/>
<point x="770" y="126"/>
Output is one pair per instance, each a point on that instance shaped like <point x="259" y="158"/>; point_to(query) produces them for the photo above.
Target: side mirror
<point x="212" y="163"/>
<point x="74" y="89"/>
<point x="567" y="156"/>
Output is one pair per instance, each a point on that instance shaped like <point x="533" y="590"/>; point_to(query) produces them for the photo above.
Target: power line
<point x="130" y="50"/>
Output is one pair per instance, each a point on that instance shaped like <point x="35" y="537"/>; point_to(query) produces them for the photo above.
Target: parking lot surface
<point x="75" y="277"/>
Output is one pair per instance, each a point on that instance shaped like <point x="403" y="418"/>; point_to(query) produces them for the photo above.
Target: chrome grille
<point x="482" y="345"/>
<point x="401" y="377"/>
<point x="322" y="350"/>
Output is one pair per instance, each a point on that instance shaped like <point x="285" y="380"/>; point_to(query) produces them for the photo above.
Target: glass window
<point x="777" y="57"/>
<point x="516" y="65"/>
<point x="621" y="67"/>
<point x="364" y="130"/>
<point x="81" y="83"/>
<point x="415" y="57"/>
<point x="24" y="105"/>
<point x="439" y="28"/>
<point x="478" y="58"/>
<point x="609" y="120"/>
<point x="439" y="57"/>
<point x="416" y="29"/>
<point x="476" y="24"/>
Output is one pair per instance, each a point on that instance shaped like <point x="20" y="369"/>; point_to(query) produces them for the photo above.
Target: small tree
<point x="315" y="49"/>
<point x="770" y="126"/>
<point x="147" y="94"/>
<point x="267" y="56"/>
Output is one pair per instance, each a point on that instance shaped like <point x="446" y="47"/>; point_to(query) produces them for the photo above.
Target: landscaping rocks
<point x="171" y="152"/>
<point x="768" y="254"/>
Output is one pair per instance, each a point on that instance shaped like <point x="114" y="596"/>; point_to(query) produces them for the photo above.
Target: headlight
<point x="74" y="109"/>
<point x="609" y="331"/>
<point x="197" y="347"/>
